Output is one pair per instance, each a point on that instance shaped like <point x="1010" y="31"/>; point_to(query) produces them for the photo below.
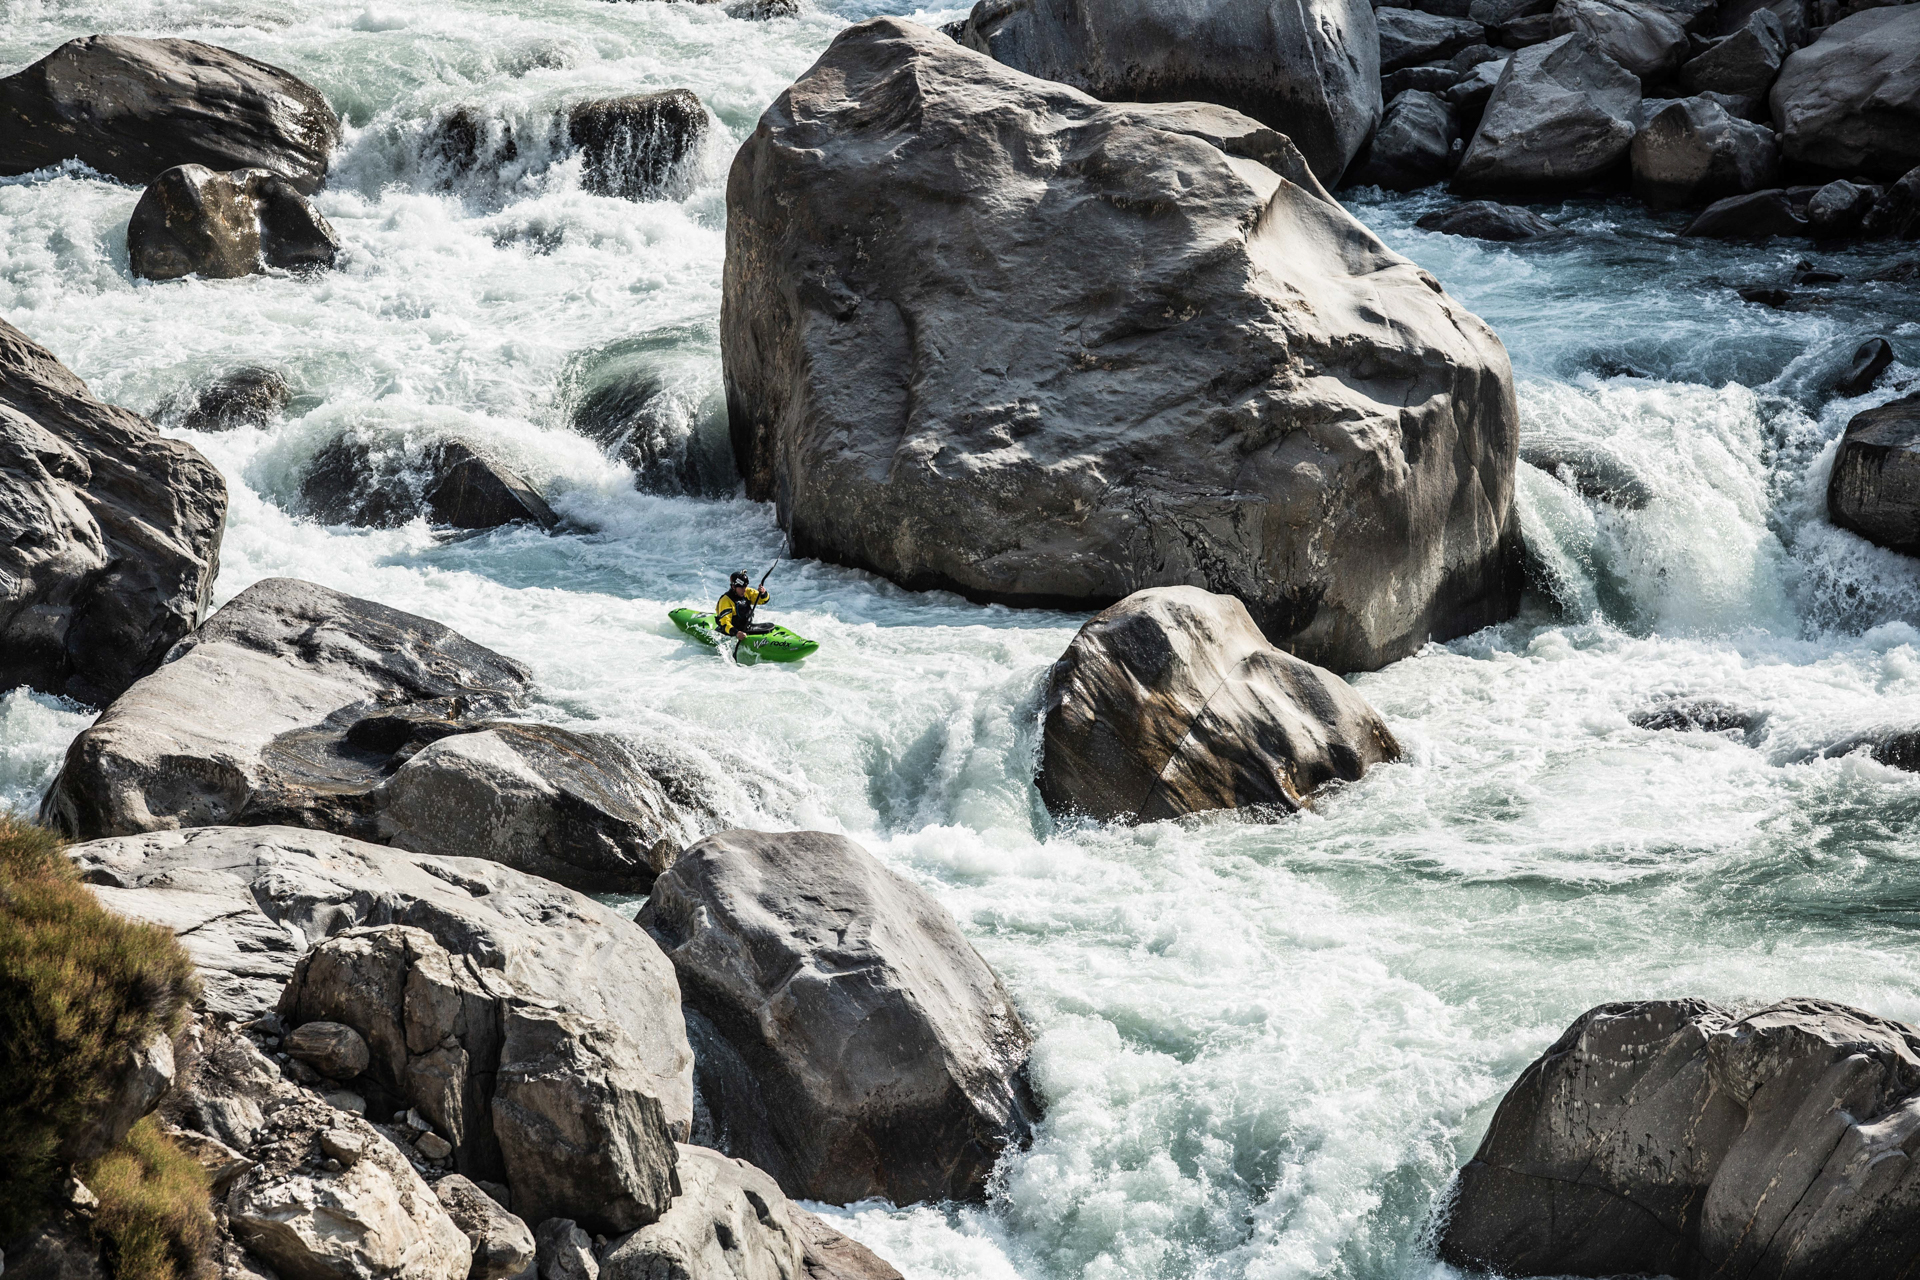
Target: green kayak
<point x="777" y="645"/>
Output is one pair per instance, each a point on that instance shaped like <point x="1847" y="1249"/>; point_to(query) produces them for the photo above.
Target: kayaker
<point x="734" y="614"/>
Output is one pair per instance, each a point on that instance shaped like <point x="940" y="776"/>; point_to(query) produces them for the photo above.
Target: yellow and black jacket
<point x="730" y="615"/>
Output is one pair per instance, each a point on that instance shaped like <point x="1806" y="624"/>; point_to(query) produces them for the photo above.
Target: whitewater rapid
<point x="1264" y="1047"/>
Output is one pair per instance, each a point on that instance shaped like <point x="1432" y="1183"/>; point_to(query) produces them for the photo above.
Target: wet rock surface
<point x="861" y="1046"/>
<point x="132" y="108"/>
<point x="1172" y="702"/>
<point x="1875" y="486"/>
<point x="194" y="221"/>
<point x="1149" y="428"/>
<point x="248" y="902"/>
<point x="250" y="396"/>
<point x="1676" y="1138"/>
<point x="109" y="535"/>
<point x="1486" y="220"/>
<point x="1310" y="70"/>
<point x="640" y="147"/>
<point x="451" y="483"/>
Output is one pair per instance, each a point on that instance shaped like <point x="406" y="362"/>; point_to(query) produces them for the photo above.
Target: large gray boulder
<point x="1645" y="40"/>
<point x="1849" y="103"/>
<point x="1675" y="1138"/>
<point x="1408" y="36"/>
<point x="1691" y="152"/>
<point x="731" y="1222"/>
<point x="300" y="705"/>
<point x="109" y="535"/>
<point x="1561" y="117"/>
<point x="248" y="902"/>
<point x="1310" y="70"/>
<point x="1163" y="356"/>
<point x="550" y="1102"/>
<point x="502" y="1244"/>
<point x="132" y="108"/>
<point x="1744" y="64"/>
<point x="1172" y="702"/>
<point x="1875" y="486"/>
<point x="194" y="221"/>
<point x="1414" y="147"/>
<point x="853" y="1043"/>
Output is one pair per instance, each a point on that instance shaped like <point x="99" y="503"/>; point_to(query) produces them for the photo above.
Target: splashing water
<point x="1264" y="1047"/>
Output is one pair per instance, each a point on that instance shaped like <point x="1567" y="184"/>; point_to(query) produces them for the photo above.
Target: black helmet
<point x="737" y="580"/>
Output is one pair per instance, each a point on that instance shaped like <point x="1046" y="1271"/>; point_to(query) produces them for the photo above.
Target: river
<point x="1264" y="1047"/>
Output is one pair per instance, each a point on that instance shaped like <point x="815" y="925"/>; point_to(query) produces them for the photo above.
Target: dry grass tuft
<point x="153" y="1217"/>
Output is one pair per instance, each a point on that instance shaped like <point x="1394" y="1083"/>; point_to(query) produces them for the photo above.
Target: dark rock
<point x="1474" y="55"/>
<point x="1641" y="38"/>
<point x="1778" y="299"/>
<point x="1897" y="212"/>
<point x="564" y="1251"/>
<point x="1675" y="1138"/>
<point x="1589" y="467"/>
<point x="1898" y="273"/>
<point x="1744" y="64"/>
<point x="1496" y="14"/>
<point x="502" y="1245"/>
<point x="1875" y="486"/>
<point x="466" y="140"/>
<point x="193" y="221"/>
<point x="1849" y="103"/>
<point x="1310" y="70"/>
<point x="644" y="146"/>
<point x="132" y="108"/>
<point x="109" y="535"/>
<point x="1696" y="17"/>
<point x="1754" y="216"/>
<point x="1692" y="152"/>
<point x="1151" y="424"/>
<point x="316" y="709"/>
<point x="1469" y="97"/>
<point x="1694" y="717"/>
<point x="55" y="1251"/>
<point x="450" y="482"/>
<point x="1172" y="702"/>
<point x="246" y="397"/>
<point x="333" y="1049"/>
<point x="1869" y="362"/>
<point x="1414" y="146"/>
<point x="1792" y="15"/>
<point x="1485" y="220"/>
<point x="886" y="1057"/>
<point x="1408" y="36"/>
<point x="1524" y="33"/>
<point x="1425" y="79"/>
<point x="763" y="10"/>
<point x="1561" y="117"/>
<point x="247" y="903"/>
<point x="1838" y="209"/>
<point x="1806" y="274"/>
<point x="655" y="401"/>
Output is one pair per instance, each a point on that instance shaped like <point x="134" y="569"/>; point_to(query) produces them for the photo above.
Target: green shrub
<point x="153" y="1218"/>
<point x="77" y="986"/>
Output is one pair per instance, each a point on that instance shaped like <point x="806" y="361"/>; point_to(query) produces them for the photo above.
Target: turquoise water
<point x="1263" y="1047"/>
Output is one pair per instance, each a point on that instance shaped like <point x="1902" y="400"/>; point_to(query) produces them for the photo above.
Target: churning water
<point x="1264" y="1047"/>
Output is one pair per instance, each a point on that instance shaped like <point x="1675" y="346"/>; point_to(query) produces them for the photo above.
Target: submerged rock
<point x="1162" y="359"/>
<point x="1849" y="103"/>
<point x="1870" y="360"/>
<point x="1485" y="220"/>
<point x="193" y="221"/>
<point x="1311" y="70"/>
<point x="1754" y="216"/>
<point x="250" y="396"/>
<point x="1692" y="152"/>
<point x="1694" y="716"/>
<point x="132" y="108"/>
<point x="109" y="535"/>
<point x="551" y="1103"/>
<point x="1674" y="1138"/>
<point x="1561" y="117"/>
<point x="655" y="401"/>
<point x="1415" y="145"/>
<point x="640" y="147"/>
<point x="248" y="902"/>
<point x="1875" y="486"/>
<point x="1172" y="702"/>
<point x="300" y="705"/>
<point x="450" y="482"/>
<point x="864" y="1047"/>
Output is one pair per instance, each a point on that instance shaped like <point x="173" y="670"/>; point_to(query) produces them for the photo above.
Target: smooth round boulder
<point x="850" y="1041"/>
<point x="1310" y="70"/>
<point x="1875" y="486"/>
<point x="1172" y="702"/>
<point x="1849" y="103"/>
<point x="1005" y="340"/>
<point x="1676" y="1138"/>
<point x="193" y="221"/>
<point x="333" y="1049"/>
<point x="132" y="108"/>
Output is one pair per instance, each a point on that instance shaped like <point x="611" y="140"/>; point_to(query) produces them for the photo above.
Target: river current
<point x="1264" y="1047"/>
